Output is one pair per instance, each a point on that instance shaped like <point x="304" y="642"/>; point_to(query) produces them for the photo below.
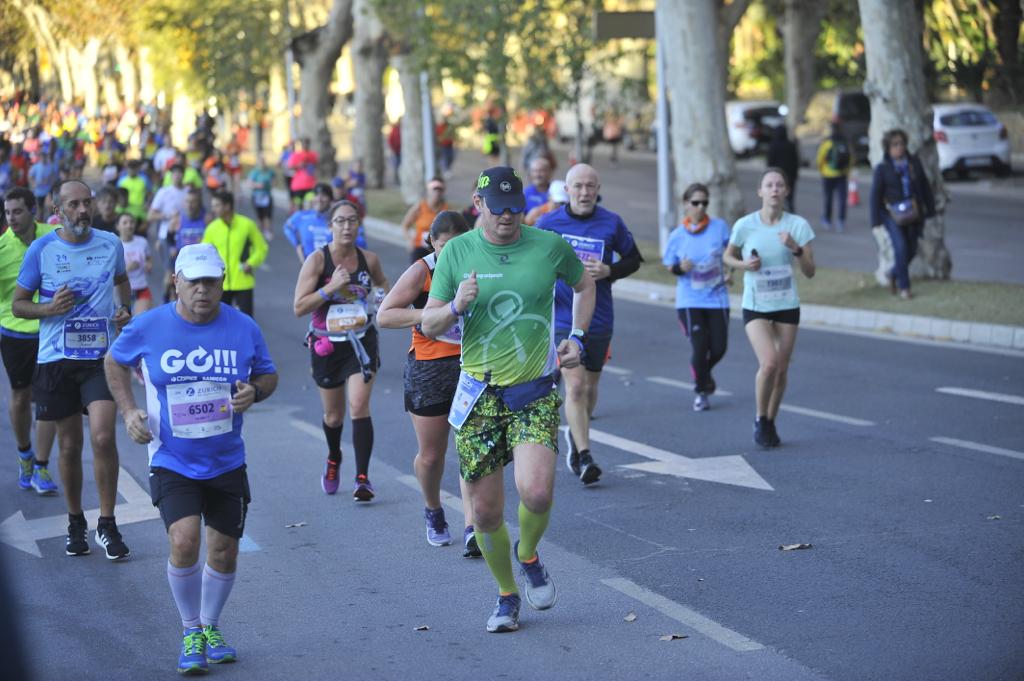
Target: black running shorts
<point x="429" y="384"/>
<point x="790" y="316"/>
<point x="221" y="501"/>
<point x="596" y="348"/>
<point x="19" y="355"/>
<point x="333" y="370"/>
<point x="67" y="386"/>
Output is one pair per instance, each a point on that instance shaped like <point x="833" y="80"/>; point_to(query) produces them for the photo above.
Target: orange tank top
<point x="427" y="348"/>
<point x="424" y="217"/>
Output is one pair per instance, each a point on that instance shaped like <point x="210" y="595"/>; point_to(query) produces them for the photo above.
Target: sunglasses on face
<point x="699" y="203"/>
<point x="514" y="211"/>
<point x="341" y="222"/>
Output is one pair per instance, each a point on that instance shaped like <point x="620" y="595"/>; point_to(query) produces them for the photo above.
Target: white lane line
<point x="618" y="371"/>
<point x="684" y="615"/>
<point x="307" y="428"/>
<point x="673" y="383"/>
<point x="978" y="447"/>
<point x="982" y="395"/>
<point x="453" y="502"/>
<point x="828" y="416"/>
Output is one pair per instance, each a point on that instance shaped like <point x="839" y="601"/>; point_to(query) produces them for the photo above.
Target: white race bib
<point x="707" y="274"/>
<point x="200" y="409"/>
<point x="587" y="249"/>
<point x="466" y="396"/>
<point x="85" y="337"/>
<point x="452" y="335"/>
<point x="774" y="283"/>
<point x="345" y="317"/>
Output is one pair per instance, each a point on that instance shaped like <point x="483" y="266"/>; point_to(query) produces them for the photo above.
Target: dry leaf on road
<point x="631" y="617"/>
<point x="672" y="637"/>
<point x="994" y="517"/>
<point x="422" y="627"/>
<point x="302" y="523"/>
<point x="794" y="547"/>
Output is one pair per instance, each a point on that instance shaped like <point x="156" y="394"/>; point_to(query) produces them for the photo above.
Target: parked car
<point x="750" y="124"/>
<point x="852" y="111"/>
<point x="969" y="137"/>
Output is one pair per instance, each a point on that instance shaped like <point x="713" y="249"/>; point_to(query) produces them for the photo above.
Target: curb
<point x="885" y="324"/>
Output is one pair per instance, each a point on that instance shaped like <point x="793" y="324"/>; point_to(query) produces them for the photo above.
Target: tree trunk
<point x="895" y="59"/>
<point x="147" y="77"/>
<point x="317" y="52"/>
<point x="41" y="25"/>
<point x="800" y="28"/>
<point x="728" y="19"/>
<point x="410" y="173"/>
<point x="700" y="143"/>
<point x="111" y="94"/>
<point x="85" y="61"/>
<point x="370" y="58"/>
<point x="129" y="74"/>
<point x="1008" y="85"/>
<point x="280" y="117"/>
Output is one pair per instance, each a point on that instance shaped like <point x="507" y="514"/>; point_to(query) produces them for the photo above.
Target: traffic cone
<point x="852" y="194"/>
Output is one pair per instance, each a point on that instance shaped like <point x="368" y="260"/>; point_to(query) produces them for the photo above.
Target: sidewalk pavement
<point x="980" y="335"/>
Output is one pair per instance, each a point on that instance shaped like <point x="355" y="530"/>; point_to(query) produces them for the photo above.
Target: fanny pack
<point x="904" y="212"/>
<point x="518" y="396"/>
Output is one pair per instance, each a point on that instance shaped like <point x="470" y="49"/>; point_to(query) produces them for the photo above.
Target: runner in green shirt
<point x="500" y="280"/>
<point x="19" y="344"/>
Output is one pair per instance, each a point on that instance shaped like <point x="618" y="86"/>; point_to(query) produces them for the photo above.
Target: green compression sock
<point x="498" y="553"/>
<point x="531" y="529"/>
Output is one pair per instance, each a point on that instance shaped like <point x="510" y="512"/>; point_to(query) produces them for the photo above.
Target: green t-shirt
<point x="191" y="177"/>
<point x="136" y="188"/>
<point x="773" y="287"/>
<point x="12" y="253"/>
<point x="508" y="331"/>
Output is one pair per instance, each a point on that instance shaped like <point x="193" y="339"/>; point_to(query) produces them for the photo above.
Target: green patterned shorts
<point x="492" y="431"/>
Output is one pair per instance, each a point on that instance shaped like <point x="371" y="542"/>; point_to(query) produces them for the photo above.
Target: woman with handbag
<point x="901" y="199"/>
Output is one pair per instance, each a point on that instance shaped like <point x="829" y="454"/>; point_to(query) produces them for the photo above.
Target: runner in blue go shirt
<point x="763" y="245"/>
<point x="694" y="254"/>
<point x="75" y="269"/>
<point x="595" y="234"/>
<point x="204" y="364"/>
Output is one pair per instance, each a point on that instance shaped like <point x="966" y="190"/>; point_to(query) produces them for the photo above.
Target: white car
<point x="968" y="137"/>
<point x="750" y="124"/>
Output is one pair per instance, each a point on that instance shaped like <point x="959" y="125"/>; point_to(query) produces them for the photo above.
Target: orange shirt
<point x="424" y="217"/>
<point x="427" y="348"/>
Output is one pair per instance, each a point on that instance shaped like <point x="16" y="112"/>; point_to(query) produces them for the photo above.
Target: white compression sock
<point x="216" y="589"/>
<point x="186" y="584"/>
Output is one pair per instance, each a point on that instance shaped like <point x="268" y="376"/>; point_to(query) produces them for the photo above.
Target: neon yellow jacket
<point x="240" y="242"/>
<point x="824" y="168"/>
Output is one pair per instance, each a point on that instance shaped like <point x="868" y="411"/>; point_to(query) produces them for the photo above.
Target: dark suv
<point x="852" y="110"/>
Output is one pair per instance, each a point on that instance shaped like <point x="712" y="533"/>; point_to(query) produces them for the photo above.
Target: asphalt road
<point x="910" y="575"/>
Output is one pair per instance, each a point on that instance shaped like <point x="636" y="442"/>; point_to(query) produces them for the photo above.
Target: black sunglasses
<point x="699" y="203"/>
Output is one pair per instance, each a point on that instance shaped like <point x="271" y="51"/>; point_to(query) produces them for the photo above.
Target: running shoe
<point x="761" y="438"/>
<point x="539" y="589"/>
<point x="363" y="490"/>
<point x="572" y="457"/>
<point x="42" y="483"/>
<point x="700" y="402"/>
<point x="590" y="472"/>
<point x="25" y="460"/>
<point x="329" y="480"/>
<point x="505" y="616"/>
<point x="712" y="386"/>
<point x="192" y="659"/>
<point x="437" y="528"/>
<point x="773" y="435"/>
<point x="217" y="650"/>
<point x="108" y="536"/>
<point x="77" y="543"/>
<point x="472" y="549"/>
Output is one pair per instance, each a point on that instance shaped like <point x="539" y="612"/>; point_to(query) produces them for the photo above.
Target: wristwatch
<point x="125" y="307"/>
<point x="579" y="333"/>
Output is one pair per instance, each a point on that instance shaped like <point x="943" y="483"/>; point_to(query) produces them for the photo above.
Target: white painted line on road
<point x="982" y="395"/>
<point x="828" y="416"/>
<point x="453" y="502"/>
<point x="307" y="428"/>
<point x="618" y="371"/>
<point x="978" y="447"/>
<point x="247" y="545"/>
<point x="673" y="383"/>
<point x="684" y="615"/>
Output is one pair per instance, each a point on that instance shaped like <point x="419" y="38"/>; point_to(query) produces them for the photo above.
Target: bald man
<point x="540" y="176"/>
<point x="596" y="234"/>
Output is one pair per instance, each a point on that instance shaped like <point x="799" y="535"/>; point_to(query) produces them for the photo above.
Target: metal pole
<point x="289" y="60"/>
<point x="665" y="214"/>
<point x="429" y="162"/>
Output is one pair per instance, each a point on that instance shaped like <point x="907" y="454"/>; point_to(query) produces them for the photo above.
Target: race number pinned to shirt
<point x="345" y="317"/>
<point x="452" y="335"/>
<point x="774" y="283"/>
<point x="466" y="396"/>
<point x="261" y="198"/>
<point x="706" y="274"/>
<point x="200" y="409"/>
<point x="587" y="249"/>
<point x="85" y="337"/>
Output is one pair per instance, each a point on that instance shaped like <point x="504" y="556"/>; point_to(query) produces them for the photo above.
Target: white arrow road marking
<point x="24" y="534"/>
<point x="978" y="447"/>
<point x="982" y="395"/>
<point x="673" y="383"/>
<point x="728" y="470"/>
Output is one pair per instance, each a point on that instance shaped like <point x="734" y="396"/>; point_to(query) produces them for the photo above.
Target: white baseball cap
<point x="557" y="193"/>
<point x="199" y="261"/>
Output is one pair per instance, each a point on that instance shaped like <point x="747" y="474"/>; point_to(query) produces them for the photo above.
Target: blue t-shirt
<point x="88" y="269"/>
<point x="190" y="230"/>
<point x="596" y="236"/>
<point x="45" y="175"/>
<point x="704" y="285"/>
<point x="309" y="229"/>
<point x="190" y="372"/>
<point x="772" y="288"/>
<point x="534" y="197"/>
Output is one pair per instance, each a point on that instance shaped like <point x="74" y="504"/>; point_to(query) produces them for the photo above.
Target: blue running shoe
<point x="540" y="590"/>
<point x="437" y="528"/>
<point x="193" y="652"/>
<point x="25" y="460"/>
<point x="217" y="650"/>
<point x="42" y="483"/>
<point x="472" y="549"/>
<point x="505" y="616"/>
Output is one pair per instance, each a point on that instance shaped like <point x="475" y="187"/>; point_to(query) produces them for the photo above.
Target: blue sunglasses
<point x="514" y="211"/>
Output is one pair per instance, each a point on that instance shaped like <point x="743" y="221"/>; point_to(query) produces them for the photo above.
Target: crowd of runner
<point x="499" y="313"/>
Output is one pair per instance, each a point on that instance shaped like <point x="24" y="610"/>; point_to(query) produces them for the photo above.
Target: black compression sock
<point x="333" y="436"/>
<point x="362" y="441"/>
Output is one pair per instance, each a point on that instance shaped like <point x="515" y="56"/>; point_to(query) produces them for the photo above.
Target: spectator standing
<point x="835" y="163"/>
